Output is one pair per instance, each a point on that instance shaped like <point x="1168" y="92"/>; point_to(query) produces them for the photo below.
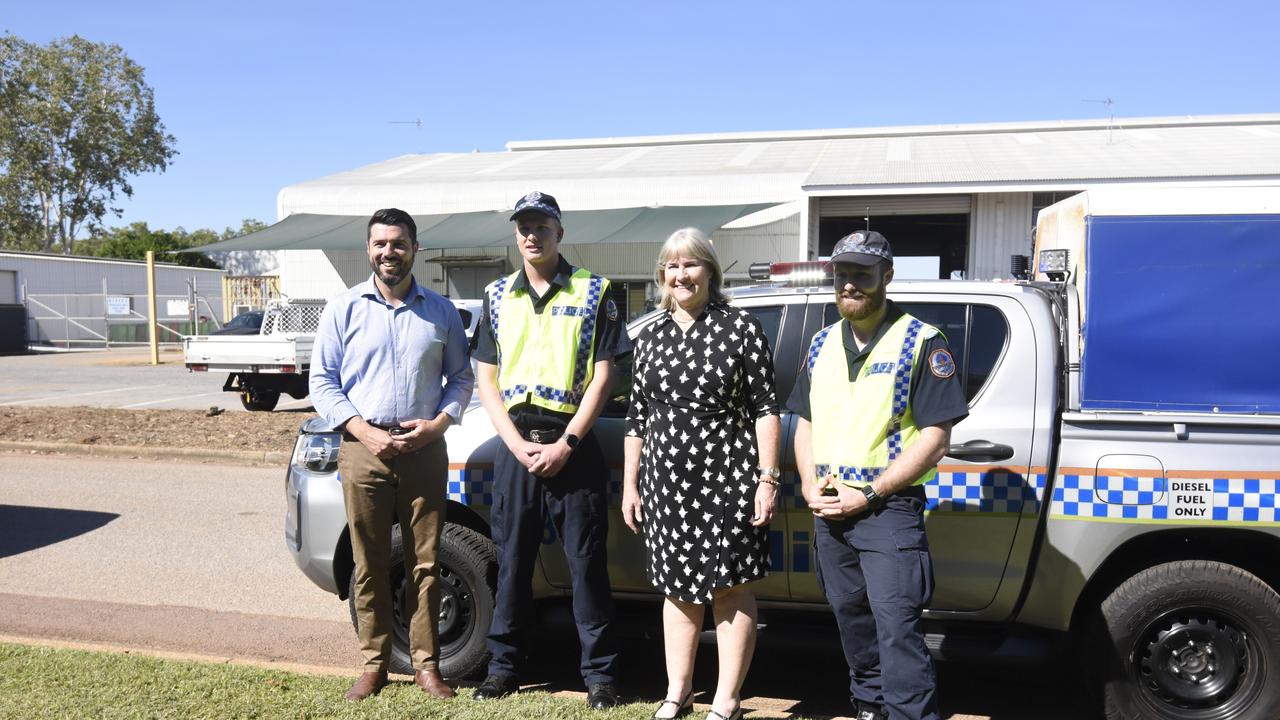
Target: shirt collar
<point x="563" y="272"/>
<point x="891" y="314"/>
<point x="369" y="289"/>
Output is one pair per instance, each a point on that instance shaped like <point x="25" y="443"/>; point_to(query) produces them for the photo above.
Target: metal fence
<point x="106" y="319"/>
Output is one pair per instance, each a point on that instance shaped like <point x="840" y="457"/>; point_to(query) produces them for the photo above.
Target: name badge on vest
<point x="574" y="310"/>
<point x="880" y="368"/>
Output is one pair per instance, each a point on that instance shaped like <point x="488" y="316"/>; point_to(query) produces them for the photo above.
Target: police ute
<point x="1112" y="493"/>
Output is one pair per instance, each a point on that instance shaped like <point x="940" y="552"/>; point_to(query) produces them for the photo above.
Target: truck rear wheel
<point x="257" y="399"/>
<point x="467" y="565"/>
<point x="1190" y="640"/>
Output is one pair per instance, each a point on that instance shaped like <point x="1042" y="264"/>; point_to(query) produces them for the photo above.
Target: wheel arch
<point x="1244" y="548"/>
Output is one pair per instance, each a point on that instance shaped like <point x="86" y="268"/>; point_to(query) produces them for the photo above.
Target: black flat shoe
<point x="496" y="686"/>
<point x="735" y="715"/>
<point x="683" y="707"/>
<point x="602" y="696"/>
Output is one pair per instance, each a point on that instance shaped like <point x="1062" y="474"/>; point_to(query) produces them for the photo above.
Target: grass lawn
<point x="40" y="682"/>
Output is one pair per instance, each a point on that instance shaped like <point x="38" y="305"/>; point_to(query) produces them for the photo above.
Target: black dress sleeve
<point x="638" y="409"/>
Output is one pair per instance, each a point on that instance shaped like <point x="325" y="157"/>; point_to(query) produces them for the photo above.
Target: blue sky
<point x="265" y="94"/>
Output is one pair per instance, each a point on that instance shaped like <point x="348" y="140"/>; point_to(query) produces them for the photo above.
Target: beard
<point x="860" y="305"/>
<point x="393" y="276"/>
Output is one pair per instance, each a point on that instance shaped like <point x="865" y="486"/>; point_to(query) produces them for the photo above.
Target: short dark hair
<point x="393" y="216"/>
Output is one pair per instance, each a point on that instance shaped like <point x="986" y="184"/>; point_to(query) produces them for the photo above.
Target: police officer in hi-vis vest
<point x="874" y="407"/>
<point x="544" y="351"/>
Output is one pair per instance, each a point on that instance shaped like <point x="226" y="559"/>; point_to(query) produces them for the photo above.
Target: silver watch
<point x="772" y="472"/>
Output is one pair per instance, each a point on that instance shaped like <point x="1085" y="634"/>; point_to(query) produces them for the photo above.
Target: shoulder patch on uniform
<point x="611" y="309"/>
<point x="941" y="363"/>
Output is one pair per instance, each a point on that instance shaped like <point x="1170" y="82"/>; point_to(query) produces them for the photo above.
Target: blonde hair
<point x="690" y="243"/>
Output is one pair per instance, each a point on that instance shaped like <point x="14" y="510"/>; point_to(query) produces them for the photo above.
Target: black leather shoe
<point x="496" y="686"/>
<point x="602" y="696"/>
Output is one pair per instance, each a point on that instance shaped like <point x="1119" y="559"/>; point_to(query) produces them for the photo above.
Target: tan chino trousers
<point x="410" y="488"/>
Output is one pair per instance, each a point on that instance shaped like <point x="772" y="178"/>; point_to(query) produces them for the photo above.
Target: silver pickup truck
<point x="1081" y="506"/>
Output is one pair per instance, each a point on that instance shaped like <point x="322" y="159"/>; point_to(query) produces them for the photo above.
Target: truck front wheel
<point x="467" y="565"/>
<point x="1190" y="640"/>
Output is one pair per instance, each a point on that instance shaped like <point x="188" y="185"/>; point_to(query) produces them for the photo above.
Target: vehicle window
<point x="466" y="317"/>
<point x="976" y="334"/>
<point x="770" y="317"/>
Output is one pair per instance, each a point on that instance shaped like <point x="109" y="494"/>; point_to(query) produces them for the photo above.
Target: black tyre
<point x="1190" y="640"/>
<point x="468" y="577"/>
<point x="259" y="400"/>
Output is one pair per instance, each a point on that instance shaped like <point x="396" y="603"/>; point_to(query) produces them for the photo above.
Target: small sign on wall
<point x="175" y="308"/>
<point x="117" y="305"/>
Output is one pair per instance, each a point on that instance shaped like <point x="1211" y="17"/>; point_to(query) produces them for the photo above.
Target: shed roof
<point x="745" y="168"/>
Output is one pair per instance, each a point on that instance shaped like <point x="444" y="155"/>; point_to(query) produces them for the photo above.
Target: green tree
<point x="133" y="241"/>
<point x="78" y="121"/>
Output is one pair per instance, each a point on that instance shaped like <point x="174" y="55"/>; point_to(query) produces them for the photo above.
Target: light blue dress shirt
<point x="390" y="364"/>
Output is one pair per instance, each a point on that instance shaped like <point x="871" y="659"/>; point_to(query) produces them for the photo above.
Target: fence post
<point x="151" y="306"/>
<point x="106" y="319"/>
<point x="66" y="321"/>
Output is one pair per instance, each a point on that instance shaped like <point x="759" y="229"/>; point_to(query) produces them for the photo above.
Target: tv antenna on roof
<point x="1111" y="113"/>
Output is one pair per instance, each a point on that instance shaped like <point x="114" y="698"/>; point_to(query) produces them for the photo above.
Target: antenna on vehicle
<point x="867" y="218"/>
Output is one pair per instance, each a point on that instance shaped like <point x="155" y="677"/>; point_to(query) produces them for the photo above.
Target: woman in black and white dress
<point x="700" y="480"/>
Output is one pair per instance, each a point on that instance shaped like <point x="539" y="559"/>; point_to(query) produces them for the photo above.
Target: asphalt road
<point x="118" y="378"/>
<point x="189" y="559"/>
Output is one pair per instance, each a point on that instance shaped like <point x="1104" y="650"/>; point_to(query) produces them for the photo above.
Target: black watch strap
<point x="874" y="499"/>
<point x="571" y="440"/>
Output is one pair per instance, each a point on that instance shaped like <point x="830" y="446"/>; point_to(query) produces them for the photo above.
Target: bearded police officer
<point x="875" y="407"/>
<point x="544" y="352"/>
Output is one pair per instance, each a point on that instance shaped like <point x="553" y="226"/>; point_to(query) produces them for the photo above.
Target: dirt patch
<point x="152" y="428"/>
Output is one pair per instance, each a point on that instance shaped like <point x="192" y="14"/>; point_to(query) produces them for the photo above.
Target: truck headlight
<point x="317" y="452"/>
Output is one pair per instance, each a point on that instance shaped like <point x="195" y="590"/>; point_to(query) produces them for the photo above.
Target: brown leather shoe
<point x="368" y="684"/>
<point x="433" y="684"/>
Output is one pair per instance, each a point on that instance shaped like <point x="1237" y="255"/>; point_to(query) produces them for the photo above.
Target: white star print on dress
<point x="694" y="401"/>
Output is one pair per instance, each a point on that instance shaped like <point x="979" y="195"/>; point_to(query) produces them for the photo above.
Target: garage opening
<point x="924" y="246"/>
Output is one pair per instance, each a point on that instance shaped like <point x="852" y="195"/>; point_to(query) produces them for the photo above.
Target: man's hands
<point x="542" y="460"/>
<point x="847" y="502"/>
<point x="418" y="434"/>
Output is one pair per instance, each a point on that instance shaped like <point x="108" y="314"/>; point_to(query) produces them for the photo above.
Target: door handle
<point x="980" y="450"/>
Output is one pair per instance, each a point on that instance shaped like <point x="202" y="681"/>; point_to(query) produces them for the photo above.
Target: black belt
<point x="544" y="436"/>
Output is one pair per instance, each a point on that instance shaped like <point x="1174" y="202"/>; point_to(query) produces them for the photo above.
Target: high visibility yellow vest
<point x="546" y="358"/>
<point x="860" y="427"/>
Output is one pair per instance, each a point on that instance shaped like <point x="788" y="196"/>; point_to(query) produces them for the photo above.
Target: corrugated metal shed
<point x="783" y="167"/>
<point x="63" y="274"/>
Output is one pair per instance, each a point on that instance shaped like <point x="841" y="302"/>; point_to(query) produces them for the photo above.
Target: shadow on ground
<point x="798" y="669"/>
<point x="24" y="528"/>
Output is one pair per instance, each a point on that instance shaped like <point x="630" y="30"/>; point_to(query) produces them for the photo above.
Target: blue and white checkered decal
<point x="980" y="490"/>
<point x="472" y="486"/>
<point x="1083" y="496"/>
<point x="588" y="333"/>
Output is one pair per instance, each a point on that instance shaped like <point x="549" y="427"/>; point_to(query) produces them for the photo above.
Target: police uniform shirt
<point x="610" y="340"/>
<point x="934" y="399"/>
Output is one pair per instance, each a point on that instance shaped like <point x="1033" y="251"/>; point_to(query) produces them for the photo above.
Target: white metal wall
<point x="75" y="275"/>
<point x="859" y="206"/>
<point x="999" y="227"/>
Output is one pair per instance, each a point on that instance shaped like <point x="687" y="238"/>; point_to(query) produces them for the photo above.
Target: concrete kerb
<point x="234" y="457"/>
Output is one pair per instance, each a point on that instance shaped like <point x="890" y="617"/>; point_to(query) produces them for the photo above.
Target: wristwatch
<point x="772" y="472"/>
<point x="571" y="440"/>
<point x="874" y="499"/>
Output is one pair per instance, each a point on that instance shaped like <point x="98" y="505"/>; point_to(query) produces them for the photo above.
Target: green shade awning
<point x="487" y="229"/>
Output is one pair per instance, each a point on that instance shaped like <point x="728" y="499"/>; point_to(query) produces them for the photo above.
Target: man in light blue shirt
<point x="390" y="367"/>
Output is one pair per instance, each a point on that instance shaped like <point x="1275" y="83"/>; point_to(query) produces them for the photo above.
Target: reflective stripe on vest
<point x="546" y="359"/>
<point x="861" y="427"/>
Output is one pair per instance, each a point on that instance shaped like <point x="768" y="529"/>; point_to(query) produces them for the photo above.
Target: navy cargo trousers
<point x="876" y="572"/>
<point x="576" y="502"/>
